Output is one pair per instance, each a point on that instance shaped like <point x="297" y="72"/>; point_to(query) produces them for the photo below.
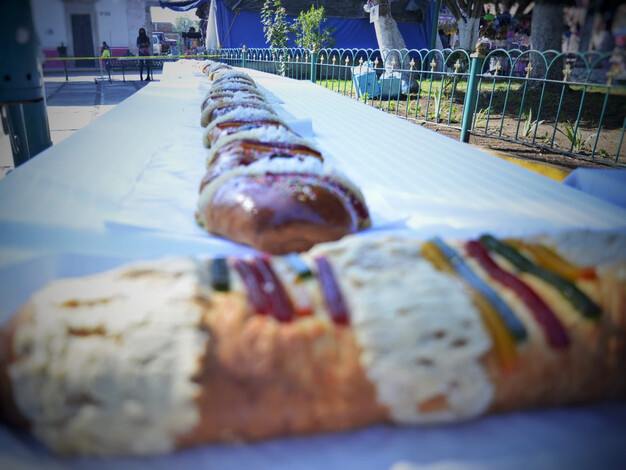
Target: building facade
<point x="80" y="26"/>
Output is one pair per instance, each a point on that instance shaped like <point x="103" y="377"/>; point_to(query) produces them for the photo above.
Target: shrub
<point x="309" y="31"/>
<point x="275" y="25"/>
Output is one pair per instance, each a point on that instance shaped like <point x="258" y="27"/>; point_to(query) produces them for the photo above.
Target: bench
<point x="130" y="63"/>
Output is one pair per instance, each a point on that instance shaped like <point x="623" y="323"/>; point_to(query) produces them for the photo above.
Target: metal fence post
<point x="314" y="54"/>
<point x="470" y="94"/>
<point x="244" y="53"/>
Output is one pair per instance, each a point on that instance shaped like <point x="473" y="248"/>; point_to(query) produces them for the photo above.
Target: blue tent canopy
<point x="245" y="28"/>
<point x="183" y="5"/>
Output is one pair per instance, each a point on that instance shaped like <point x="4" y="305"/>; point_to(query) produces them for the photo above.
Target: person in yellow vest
<point x="106" y="54"/>
<point x="106" y="50"/>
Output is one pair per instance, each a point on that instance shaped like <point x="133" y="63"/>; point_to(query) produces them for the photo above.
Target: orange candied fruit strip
<point x="549" y="259"/>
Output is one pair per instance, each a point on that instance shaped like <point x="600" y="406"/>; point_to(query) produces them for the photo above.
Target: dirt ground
<point x="559" y="117"/>
<point x="523" y="151"/>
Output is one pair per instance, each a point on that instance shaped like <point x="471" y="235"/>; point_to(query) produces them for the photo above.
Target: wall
<point x="49" y="19"/>
<point x="137" y="16"/>
<point x="114" y="21"/>
<point x="113" y="24"/>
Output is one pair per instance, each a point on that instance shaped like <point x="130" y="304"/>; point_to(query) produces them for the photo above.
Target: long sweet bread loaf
<point x="266" y="186"/>
<point x="159" y="355"/>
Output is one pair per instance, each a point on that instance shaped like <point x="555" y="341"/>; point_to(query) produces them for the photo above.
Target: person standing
<point x="106" y="55"/>
<point x="143" y="49"/>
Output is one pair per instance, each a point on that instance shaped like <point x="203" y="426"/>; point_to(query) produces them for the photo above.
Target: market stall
<point x="125" y="188"/>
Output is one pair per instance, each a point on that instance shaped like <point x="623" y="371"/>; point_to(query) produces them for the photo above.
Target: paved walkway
<point x="75" y="103"/>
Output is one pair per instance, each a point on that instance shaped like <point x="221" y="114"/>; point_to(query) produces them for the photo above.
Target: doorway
<point x="83" y="39"/>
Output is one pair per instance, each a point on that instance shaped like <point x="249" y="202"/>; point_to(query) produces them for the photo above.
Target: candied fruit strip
<point x="587" y="307"/>
<point x="332" y="294"/>
<point x="503" y="340"/>
<point x="510" y="319"/>
<point x="548" y="259"/>
<point x="281" y="306"/>
<point x="552" y="326"/>
<point x="220" y="280"/>
<point x="256" y="295"/>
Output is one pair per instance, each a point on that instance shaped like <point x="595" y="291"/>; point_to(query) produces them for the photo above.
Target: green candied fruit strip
<point x="298" y="265"/>
<point x="587" y="307"/>
<point x="220" y="279"/>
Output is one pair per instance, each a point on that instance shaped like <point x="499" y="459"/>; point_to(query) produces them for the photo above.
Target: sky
<point x="165" y="15"/>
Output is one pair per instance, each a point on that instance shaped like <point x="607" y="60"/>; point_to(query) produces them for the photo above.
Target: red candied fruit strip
<point x="332" y="294"/>
<point x="256" y="295"/>
<point x="553" y="328"/>
<point x="588" y="274"/>
<point x="280" y="303"/>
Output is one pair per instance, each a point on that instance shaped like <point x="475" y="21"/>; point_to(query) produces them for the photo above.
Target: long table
<point x="95" y="201"/>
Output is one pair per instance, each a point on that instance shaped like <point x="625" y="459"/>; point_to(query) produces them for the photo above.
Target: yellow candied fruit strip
<point x="433" y="254"/>
<point x="504" y="343"/>
<point x="547" y="258"/>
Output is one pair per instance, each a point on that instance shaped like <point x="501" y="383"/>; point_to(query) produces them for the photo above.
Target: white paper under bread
<point x="106" y="366"/>
<point x="420" y="334"/>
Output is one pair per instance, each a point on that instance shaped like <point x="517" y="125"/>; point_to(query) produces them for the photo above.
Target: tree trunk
<point x="546" y="33"/>
<point x="468" y="33"/>
<point x="467" y="14"/>
<point x="387" y="34"/>
<point x="585" y="32"/>
<point x="390" y="40"/>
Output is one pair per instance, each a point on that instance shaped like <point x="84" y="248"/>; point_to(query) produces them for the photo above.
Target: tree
<point x="388" y="36"/>
<point x="546" y="33"/>
<point x="390" y="42"/>
<point x="387" y="33"/>
<point x="467" y="14"/>
<point x="309" y="31"/>
<point x="183" y="23"/>
<point x="276" y="28"/>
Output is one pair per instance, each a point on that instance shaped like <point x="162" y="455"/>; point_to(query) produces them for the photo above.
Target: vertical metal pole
<point x="314" y="54"/>
<point x="434" y="29"/>
<point x="470" y="94"/>
<point x="21" y="87"/>
<point x="244" y="53"/>
<point x="18" y="134"/>
<point x="65" y="69"/>
<point x="37" y="127"/>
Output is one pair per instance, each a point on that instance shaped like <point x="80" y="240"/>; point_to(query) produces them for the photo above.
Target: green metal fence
<point x="568" y="103"/>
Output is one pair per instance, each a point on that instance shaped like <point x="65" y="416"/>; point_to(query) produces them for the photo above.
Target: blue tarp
<point x="246" y="29"/>
<point x="184" y="5"/>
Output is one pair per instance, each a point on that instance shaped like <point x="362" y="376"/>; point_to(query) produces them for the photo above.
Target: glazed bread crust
<point x="282" y="215"/>
<point x="264" y="379"/>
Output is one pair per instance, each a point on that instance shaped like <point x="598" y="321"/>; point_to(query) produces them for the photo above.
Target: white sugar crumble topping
<point x="421" y="337"/>
<point x="106" y="366"/>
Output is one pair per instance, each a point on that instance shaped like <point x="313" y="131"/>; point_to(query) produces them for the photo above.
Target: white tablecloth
<point x="125" y="187"/>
